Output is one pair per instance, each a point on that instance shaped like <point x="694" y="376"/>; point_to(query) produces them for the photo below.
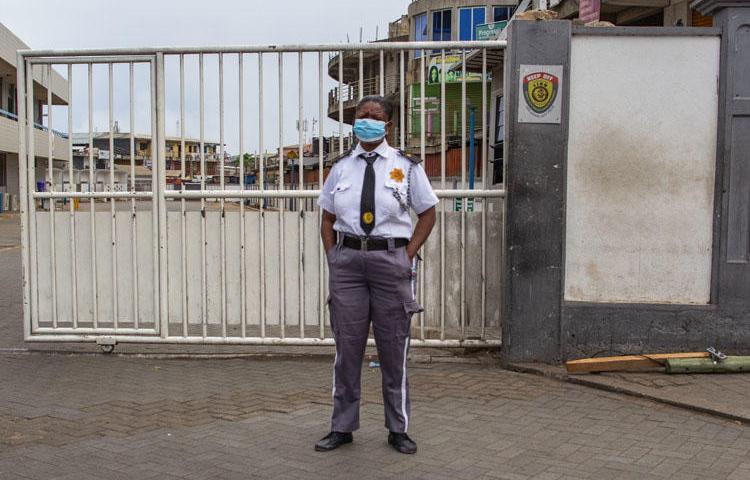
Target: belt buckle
<point x="363" y="244"/>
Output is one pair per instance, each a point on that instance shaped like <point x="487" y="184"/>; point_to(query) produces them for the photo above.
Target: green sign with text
<point x="490" y="31"/>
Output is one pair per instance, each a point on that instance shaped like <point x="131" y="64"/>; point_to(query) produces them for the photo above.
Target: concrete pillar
<point x="535" y="182"/>
<point x="733" y="18"/>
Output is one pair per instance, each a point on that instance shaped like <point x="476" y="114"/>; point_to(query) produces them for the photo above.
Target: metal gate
<point x="152" y="237"/>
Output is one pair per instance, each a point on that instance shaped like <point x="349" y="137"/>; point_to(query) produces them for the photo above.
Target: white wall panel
<point x="641" y="168"/>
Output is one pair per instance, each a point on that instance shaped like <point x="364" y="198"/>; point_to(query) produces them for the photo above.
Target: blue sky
<point x="54" y="24"/>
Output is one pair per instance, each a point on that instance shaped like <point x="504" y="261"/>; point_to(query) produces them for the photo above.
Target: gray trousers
<point x="378" y="287"/>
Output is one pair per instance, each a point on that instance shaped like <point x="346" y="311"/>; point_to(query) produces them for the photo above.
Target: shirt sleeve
<point x="422" y="196"/>
<point x="325" y="201"/>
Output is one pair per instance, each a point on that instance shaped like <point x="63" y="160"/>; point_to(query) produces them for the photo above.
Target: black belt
<point x="365" y="243"/>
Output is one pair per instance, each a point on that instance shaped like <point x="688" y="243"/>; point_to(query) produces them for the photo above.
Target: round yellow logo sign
<point x="368" y="217"/>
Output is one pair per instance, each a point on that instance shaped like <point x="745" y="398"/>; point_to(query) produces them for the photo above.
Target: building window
<point x="144" y="146"/>
<point x="468" y="19"/>
<point x="500" y="13"/>
<point x="441" y="25"/>
<point x="420" y="31"/>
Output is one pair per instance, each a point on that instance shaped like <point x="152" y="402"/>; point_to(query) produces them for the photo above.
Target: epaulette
<point x="340" y="156"/>
<point x="412" y="158"/>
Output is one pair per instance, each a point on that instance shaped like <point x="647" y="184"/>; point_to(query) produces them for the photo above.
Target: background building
<point x="640" y="13"/>
<point x="143" y="149"/>
<point x="425" y="20"/>
<point x="9" y="188"/>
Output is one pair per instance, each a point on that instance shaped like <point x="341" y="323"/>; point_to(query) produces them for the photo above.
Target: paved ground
<point x="86" y="417"/>
<point x="721" y="394"/>
<point x="92" y="416"/>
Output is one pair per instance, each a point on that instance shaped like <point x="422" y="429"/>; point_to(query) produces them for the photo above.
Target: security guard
<point x="371" y="251"/>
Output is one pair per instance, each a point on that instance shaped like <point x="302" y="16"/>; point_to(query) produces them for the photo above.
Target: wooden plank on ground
<point x="626" y="362"/>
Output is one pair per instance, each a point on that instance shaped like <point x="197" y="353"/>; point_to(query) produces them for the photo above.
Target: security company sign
<point x="540" y="92"/>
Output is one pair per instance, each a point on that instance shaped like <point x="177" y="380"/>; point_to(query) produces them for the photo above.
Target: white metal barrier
<point x="166" y="265"/>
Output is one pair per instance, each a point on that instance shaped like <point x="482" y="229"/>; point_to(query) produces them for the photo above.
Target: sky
<point x="54" y="24"/>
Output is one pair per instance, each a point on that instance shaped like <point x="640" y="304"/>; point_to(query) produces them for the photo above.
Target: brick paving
<point x="720" y="394"/>
<point x="85" y="417"/>
<point x="81" y="417"/>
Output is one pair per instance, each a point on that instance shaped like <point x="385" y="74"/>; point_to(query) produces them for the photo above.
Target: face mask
<point x="368" y="130"/>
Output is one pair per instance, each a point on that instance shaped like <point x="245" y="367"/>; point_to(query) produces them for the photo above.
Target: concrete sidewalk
<point x="89" y="417"/>
<point x="726" y="395"/>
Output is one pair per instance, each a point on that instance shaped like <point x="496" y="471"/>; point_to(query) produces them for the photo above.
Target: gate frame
<point x="26" y="58"/>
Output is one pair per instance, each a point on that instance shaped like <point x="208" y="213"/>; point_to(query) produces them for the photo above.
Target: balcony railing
<point x="38" y="126"/>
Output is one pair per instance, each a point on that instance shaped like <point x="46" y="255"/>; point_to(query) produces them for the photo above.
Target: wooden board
<point x="626" y="362"/>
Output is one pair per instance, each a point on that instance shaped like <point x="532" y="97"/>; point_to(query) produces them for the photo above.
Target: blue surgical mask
<point x="368" y="130"/>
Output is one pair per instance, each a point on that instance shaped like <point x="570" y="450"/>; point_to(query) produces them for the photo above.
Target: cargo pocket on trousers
<point x="331" y="315"/>
<point x="410" y="308"/>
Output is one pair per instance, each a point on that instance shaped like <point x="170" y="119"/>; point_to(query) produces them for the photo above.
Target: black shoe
<point x="402" y="442"/>
<point x="333" y="440"/>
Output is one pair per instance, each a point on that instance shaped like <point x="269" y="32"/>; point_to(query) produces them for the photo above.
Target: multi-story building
<point x="425" y="20"/>
<point x="9" y="187"/>
<point x="143" y="151"/>
<point x="640" y="13"/>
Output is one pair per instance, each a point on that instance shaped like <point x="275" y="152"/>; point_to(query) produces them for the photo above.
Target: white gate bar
<point x="222" y="220"/>
<point x="183" y="219"/>
<point x="113" y="220"/>
<point x="485" y="205"/>
<point x="442" y="202"/>
<point x="155" y="185"/>
<point x="160" y="176"/>
<point x="422" y="153"/>
<point x="382" y="73"/>
<point x="321" y="252"/>
<point x="52" y="205"/>
<point x="92" y="204"/>
<point x="243" y="276"/>
<point x="293" y="48"/>
<point x="361" y="77"/>
<point x="133" y="221"/>
<point x="462" y="246"/>
<point x="204" y="273"/>
<point x="31" y="172"/>
<point x="282" y="249"/>
<point x="72" y="188"/>
<point x="188" y="194"/>
<point x="108" y="59"/>
<point x="300" y="204"/>
<point x="23" y="139"/>
<point x="341" y="102"/>
<point x="402" y="105"/>
<point x="292" y="341"/>
<point x="93" y="195"/>
<point x="262" y="183"/>
<point x="96" y="331"/>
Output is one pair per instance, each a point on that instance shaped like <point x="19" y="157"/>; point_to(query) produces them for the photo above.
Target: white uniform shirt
<point x="342" y="192"/>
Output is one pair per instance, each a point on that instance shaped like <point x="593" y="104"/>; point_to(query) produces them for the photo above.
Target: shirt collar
<point x="381" y="149"/>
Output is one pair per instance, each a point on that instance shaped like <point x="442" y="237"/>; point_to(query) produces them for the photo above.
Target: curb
<point x="563" y="377"/>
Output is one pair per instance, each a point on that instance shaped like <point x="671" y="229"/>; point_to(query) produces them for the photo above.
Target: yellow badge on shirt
<point x="368" y="217"/>
<point x="397" y="174"/>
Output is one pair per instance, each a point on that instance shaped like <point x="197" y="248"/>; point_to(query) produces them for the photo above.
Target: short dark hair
<point x="384" y="103"/>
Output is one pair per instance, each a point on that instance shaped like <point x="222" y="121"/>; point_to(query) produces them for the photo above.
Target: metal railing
<point x="38" y="126"/>
<point x="168" y="266"/>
